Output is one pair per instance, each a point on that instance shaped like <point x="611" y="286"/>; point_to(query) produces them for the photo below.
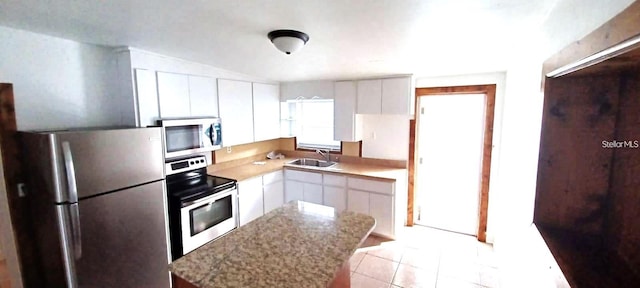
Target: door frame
<point x="490" y="92"/>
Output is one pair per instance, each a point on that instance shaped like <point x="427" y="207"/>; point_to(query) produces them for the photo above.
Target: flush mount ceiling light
<point x="288" y="41"/>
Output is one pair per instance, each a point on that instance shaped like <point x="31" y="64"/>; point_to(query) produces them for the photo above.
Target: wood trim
<point x="411" y="164"/>
<point x="18" y="207"/>
<point x="620" y="28"/>
<point x="490" y="92"/>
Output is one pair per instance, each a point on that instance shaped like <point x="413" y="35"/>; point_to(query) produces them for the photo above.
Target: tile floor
<point x="424" y="257"/>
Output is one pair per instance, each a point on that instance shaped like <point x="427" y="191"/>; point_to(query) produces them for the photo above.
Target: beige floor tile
<point x="467" y="271"/>
<point x="355" y="260"/>
<point x="448" y="282"/>
<point x="409" y="276"/>
<point x="390" y="252"/>
<point x="378" y="268"/>
<point x="362" y="281"/>
<point x="427" y="260"/>
<point x="489" y="277"/>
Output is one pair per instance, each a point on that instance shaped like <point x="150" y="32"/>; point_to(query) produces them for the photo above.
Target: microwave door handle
<point x="212" y="134"/>
<point x="73" y="198"/>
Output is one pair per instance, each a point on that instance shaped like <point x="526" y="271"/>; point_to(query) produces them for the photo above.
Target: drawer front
<point x="271" y="177"/>
<point x="302" y="176"/>
<point x="371" y="185"/>
<point x="334" y="180"/>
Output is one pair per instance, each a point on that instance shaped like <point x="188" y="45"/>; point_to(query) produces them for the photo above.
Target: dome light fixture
<point x="288" y="41"/>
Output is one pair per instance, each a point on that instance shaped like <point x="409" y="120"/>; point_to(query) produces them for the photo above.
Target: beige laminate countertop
<point x="297" y="245"/>
<point x="250" y="170"/>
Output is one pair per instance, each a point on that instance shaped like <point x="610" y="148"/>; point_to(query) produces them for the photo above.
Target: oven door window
<point x="211" y="214"/>
<point x="183" y="137"/>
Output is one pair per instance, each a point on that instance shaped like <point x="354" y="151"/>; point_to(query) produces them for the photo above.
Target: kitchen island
<point x="297" y="245"/>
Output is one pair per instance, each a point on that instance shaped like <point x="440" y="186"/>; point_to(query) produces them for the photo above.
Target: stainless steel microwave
<point x="183" y="137"/>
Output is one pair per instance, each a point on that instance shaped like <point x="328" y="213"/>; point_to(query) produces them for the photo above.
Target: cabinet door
<point x="147" y="97"/>
<point x="173" y="95"/>
<point x="203" y="96"/>
<point x="346" y="128"/>
<point x="236" y="112"/>
<point x="396" y="93"/>
<point x="312" y="193"/>
<point x="358" y="201"/>
<point x="381" y="208"/>
<point x="273" y="196"/>
<point x="335" y="197"/>
<point x="369" y="96"/>
<point x="250" y="200"/>
<point x="293" y="190"/>
<point x="266" y="111"/>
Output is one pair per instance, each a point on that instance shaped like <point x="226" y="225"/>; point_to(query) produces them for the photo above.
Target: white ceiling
<point x="349" y="39"/>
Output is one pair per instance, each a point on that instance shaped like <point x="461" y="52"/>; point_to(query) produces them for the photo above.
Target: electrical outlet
<point x="228" y="149"/>
<point x="22" y="192"/>
<point x="373" y="135"/>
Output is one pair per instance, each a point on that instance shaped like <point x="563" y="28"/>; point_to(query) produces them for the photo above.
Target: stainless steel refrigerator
<point x="99" y="206"/>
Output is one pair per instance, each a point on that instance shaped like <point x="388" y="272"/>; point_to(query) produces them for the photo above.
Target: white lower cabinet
<point x="335" y="193"/>
<point x="312" y="193"/>
<point x="358" y="201"/>
<point x="250" y="200"/>
<point x="335" y="197"/>
<point x="302" y="185"/>
<point x="293" y="190"/>
<point x="381" y="208"/>
<point x="273" y="196"/>
<point x="374" y="198"/>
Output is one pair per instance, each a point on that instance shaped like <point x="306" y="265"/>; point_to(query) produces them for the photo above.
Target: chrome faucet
<point x="324" y="153"/>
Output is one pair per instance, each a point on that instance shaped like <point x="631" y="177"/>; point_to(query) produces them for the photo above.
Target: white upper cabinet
<point x="384" y="96"/>
<point x="147" y="96"/>
<point x="203" y="96"/>
<point x="266" y="111"/>
<point x="347" y="125"/>
<point x="396" y="94"/>
<point x="183" y="95"/>
<point x="173" y="95"/>
<point x="236" y="111"/>
<point x="369" y="97"/>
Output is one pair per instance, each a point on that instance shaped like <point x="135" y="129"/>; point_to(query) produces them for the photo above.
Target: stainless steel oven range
<point x="201" y="207"/>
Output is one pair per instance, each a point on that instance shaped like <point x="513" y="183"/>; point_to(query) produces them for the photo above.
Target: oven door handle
<point x="210" y="199"/>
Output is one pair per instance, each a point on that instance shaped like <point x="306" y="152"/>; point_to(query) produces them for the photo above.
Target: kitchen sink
<point x="312" y="162"/>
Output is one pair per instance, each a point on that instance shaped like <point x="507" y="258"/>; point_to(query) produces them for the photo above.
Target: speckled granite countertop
<point x="297" y="245"/>
<point x="250" y="170"/>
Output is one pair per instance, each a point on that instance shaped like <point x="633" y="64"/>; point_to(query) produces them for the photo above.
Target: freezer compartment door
<point x="124" y="239"/>
<point x="108" y="160"/>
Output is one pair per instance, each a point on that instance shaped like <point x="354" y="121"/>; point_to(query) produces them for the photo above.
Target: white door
<point x="450" y="134"/>
<point x="369" y="97"/>
<point x="147" y="96"/>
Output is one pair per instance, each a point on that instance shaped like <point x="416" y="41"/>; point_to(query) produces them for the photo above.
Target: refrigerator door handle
<point x="71" y="172"/>
<point x="73" y="198"/>
<point x="75" y="230"/>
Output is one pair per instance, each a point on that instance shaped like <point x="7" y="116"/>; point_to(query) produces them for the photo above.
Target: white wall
<point x="58" y="83"/>
<point x="571" y="20"/>
<point x="307" y="89"/>
<point x="385" y="136"/>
